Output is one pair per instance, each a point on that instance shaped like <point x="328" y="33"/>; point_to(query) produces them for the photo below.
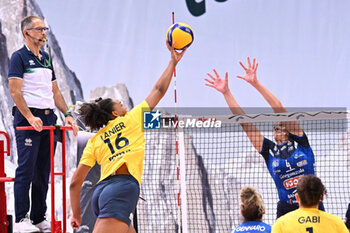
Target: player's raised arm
<point x="250" y="129"/>
<point x="162" y="84"/>
<point x="251" y="77"/>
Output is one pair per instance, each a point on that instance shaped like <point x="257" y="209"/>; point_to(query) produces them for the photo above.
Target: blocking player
<point x="290" y="156"/>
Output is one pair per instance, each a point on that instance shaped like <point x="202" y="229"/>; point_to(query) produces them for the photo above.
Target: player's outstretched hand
<point x="175" y="56"/>
<point x="250" y="75"/>
<point x="219" y="84"/>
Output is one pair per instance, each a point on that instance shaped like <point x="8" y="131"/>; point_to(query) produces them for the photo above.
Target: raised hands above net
<point x="250" y="75"/>
<point x="219" y="84"/>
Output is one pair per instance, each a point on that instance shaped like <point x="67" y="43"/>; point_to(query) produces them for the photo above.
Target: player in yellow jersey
<point x="119" y="148"/>
<point x="308" y="218"/>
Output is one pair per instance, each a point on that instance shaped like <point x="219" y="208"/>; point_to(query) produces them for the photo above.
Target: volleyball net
<point x="216" y="162"/>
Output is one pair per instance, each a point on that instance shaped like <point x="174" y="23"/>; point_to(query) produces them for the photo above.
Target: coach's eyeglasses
<point x="39" y="29"/>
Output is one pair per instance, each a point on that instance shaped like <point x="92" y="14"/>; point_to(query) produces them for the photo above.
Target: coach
<point x="34" y="90"/>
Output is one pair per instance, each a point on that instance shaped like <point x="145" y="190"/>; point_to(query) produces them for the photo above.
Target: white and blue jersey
<point x="253" y="227"/>
<point x="37" y="75"/>
<point x="287" y="163"/>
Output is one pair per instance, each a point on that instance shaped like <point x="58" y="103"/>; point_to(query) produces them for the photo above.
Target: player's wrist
<point x="225" y="91"/>
<point x="255" y="83"/>
<point x="68" y="113"/>
<point x="173" y="62"/>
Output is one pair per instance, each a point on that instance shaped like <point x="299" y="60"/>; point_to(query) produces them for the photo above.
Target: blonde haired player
<point x="119" y="148"/>
<point x="252" y="209"/>
<point x="308" y="218"/>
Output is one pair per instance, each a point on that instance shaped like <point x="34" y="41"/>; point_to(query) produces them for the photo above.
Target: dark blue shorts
<point x="347" y="215"/>
<point x="116" y="197"/>
<point x="284" y="208"/>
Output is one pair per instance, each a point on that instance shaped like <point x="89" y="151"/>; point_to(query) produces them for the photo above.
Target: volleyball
<point x="181" y="34"/>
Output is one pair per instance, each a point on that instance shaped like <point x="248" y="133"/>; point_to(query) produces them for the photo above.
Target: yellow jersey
<point x="120" y="142"/>
<point x="309" y="220"/>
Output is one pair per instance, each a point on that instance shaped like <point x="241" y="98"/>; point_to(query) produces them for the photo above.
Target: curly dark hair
<point x="310" y="190"/>
<point x="97" y="114"/>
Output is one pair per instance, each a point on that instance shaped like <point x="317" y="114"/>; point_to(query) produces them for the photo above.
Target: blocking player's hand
<point x="219" y="84"/>
<point x="250" y="75"/>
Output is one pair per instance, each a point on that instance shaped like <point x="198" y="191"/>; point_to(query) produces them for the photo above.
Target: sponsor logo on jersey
<point x="292" y="182"/>
<point x="250" y="228"/>
<point x="31" y="63"/>
<point x="275" y="163"/>
<point x="292" y="195"/>
<point x="276" y="171"/>
<point x="302" y="163"/>
<point x="297" y="172"/>
<point x="298" y="155"/>
<point x="290" y="168"/>
<point x="118" y="156"/>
